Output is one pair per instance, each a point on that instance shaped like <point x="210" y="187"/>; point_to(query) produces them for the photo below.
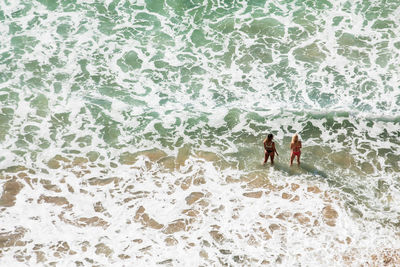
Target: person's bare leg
<point x="291" y="159"/>
<point x="298" y="160"/>
<point x="266" y="155"/>
<point x="272" y="159"/>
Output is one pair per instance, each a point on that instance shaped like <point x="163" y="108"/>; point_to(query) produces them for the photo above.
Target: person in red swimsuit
<point x="295" y="146"/>
<point x="270" y="149"/>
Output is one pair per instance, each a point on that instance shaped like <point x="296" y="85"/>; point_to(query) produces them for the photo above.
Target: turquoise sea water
<point x="131" y="132"/>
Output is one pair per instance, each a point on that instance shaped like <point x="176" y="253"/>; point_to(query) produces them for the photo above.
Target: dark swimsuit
<point x="269" y="148"/>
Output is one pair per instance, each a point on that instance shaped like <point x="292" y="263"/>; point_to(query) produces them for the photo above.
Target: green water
<point x="103" y="81"/>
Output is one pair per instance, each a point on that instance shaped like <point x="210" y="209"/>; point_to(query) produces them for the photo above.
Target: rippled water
<point x="131" y="133"/>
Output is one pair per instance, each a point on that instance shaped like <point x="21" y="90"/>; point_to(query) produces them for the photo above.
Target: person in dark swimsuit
<point x="295" y="146"/>
<point x="270" y="149"/>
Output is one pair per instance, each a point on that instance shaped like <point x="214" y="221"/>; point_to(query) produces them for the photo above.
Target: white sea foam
<point x="227" y="221"/>
<point x="200" y="100"/>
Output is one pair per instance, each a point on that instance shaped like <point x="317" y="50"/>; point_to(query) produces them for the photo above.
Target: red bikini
<point x="297" y="153"/>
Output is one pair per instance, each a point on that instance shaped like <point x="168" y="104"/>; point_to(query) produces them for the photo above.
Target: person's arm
<point x="273" y="145"/>
<point x="265" y="144"/>
<point x="300" y="144"/>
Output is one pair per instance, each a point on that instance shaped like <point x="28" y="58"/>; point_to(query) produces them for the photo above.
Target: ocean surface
<point x="131" y="133"/>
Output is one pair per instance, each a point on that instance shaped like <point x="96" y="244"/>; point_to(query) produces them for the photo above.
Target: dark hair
<point x="270" y="136"/>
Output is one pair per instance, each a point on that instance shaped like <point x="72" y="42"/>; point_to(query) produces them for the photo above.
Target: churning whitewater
<point x="131" y="133"/>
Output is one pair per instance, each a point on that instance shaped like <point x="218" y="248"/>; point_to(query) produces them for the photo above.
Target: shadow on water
<point x="247" y="160"/>
<point x="304" y="168"/>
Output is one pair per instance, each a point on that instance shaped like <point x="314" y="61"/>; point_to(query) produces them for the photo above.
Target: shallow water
<point x="131" y="133"/>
